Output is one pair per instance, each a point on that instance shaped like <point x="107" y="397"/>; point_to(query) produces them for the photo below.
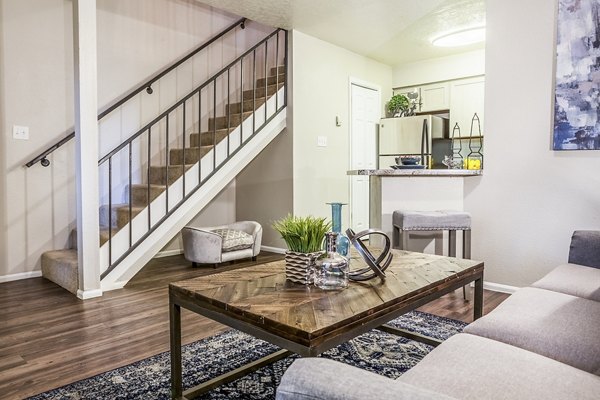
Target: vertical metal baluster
<point x="241" y="96"/>
<point x="229" y="111"/>
<point x="148" y="178"/>
<point x="167" y="165"/>
<point x="200" y="134"/>
<point x="214" y="124"/>
<point x="254" y="93"/>
<point x="130" y="198"/>
<point x="110" y="211"/>
<point x="183" y="158"/>
<point x="266" y="79"/>
<point x="277" y="72"/>
<point x="285" y="70"/>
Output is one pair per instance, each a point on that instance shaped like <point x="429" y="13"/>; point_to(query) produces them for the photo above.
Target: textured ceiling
<point x="390" y="31"/>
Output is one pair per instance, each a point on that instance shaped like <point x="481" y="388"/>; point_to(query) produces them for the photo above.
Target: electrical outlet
<point x="322" y="141"/>
<point x="20" y="132"/>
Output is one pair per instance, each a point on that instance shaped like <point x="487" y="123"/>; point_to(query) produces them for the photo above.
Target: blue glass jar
<point x="343" y="243"/>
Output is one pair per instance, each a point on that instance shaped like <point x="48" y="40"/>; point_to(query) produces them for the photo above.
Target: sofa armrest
<point x="585" y="248"/>
<point x="201" y="245"/>
<point x="320" y="378"/>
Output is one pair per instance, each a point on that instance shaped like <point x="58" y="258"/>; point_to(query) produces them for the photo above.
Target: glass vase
<point x="343" y="243"/>
<point x="331" y="267"/>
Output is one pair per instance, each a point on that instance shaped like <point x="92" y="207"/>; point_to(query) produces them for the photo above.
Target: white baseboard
<point x="88" y="294"/>
<point x="277" y="250"/>
<point x="498" y="287"/>
<point x="22" y="275"/>
<point x="168" y="253"/>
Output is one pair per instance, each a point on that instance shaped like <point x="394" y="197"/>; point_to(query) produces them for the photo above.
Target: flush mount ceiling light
<point x="460" y="38"/>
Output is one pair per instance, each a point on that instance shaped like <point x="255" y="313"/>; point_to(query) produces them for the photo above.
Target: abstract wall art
<point x="577" y="90"/>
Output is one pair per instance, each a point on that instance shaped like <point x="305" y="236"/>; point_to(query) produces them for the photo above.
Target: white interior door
<point x="365" y="112"/>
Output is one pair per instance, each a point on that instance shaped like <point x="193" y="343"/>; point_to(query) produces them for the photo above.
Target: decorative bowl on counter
<point x="408" y="160"/>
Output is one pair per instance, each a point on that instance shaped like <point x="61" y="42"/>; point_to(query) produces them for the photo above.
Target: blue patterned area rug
<point x="375" y="351"/>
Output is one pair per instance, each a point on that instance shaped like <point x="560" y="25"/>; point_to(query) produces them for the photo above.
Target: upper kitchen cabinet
<point x="467" y="97"/>
<point x="435" y="97"/>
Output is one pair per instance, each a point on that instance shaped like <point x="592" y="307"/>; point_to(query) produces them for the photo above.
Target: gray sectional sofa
<point x="543" y="342"/>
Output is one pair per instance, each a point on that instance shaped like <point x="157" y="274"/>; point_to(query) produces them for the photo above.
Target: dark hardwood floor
<point x="49" y="338"/>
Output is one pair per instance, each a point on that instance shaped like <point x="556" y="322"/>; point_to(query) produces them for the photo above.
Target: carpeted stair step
<point x="60" y="267"/>
<point x="260" y="92"/>
<point x="280" y="68"/>
<point x="123" y="214"/>
<point x="272" y="80"/>
<point x="192" y="155"/>
<point x="208" y="138"/>
<point x="120" y="214"/>
<point x="236" y="108"/>
<point x="139" y="193"/>
<point x="105" y="233"/>
<point x="230" y="121"/>
<point x="158" y="174"/>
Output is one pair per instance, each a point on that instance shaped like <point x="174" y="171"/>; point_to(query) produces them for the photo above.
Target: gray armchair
<point x="217" y="244"/>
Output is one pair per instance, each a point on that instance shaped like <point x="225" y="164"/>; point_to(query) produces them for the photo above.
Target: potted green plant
<point x="398" y="105"/>
<point x="304" y="239"/>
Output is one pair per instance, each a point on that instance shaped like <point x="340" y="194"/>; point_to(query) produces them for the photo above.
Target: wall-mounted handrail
<point x="147" y="85"/>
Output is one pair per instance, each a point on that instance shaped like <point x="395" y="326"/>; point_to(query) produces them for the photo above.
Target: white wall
<point x="457" y="66"/>
<point x="321" y="76"/>
<point x="136" y="37"/>
<point x="530" y="198"/>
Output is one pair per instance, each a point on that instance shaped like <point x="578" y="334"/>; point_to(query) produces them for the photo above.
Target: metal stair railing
<point x="146" y="86"/>
<point x="178" y="117"/>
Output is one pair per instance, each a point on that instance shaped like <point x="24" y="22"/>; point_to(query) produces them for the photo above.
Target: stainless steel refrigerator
<point x="407" y="136"/>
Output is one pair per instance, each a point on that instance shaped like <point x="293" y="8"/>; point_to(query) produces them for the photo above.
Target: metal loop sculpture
<point x="375" y="266"/>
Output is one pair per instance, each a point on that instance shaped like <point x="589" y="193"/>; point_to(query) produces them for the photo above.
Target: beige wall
<point x="321" y="81"/>
<point x="265" y="188"/>
<point x="2" y="148"/>
<point x="135" y="38"/>
<point x="530" y="198"/>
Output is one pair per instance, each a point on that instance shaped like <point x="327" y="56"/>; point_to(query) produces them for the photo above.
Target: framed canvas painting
<point x="577" y="89"/>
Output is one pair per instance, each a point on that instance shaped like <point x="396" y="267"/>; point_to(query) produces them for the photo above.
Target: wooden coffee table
<point x="306" y="320"/>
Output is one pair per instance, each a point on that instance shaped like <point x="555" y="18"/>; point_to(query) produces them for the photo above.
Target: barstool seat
<point x="409" y="220"/>
<point x="405" y="221"/>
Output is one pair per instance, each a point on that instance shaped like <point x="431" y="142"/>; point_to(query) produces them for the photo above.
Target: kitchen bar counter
<point x="444" y="190"/>
<point x="417" y="172"/>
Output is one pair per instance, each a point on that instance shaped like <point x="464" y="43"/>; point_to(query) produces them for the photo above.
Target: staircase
<point x="184" y="158"/>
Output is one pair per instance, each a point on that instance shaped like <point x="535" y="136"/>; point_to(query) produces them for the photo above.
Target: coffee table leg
<point x="478" y="303"/>
<point x="175" y="326"/>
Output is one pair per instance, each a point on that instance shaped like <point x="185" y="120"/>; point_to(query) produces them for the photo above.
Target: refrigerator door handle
<point x="425" y="144"/>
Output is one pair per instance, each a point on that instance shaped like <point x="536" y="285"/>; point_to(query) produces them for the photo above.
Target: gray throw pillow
<point x="234" y="239"/>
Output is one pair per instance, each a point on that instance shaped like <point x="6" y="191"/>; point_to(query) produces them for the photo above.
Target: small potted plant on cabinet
<point x="304" y="239"/>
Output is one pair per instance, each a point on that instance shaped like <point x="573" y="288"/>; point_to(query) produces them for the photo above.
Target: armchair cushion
<point x="234" y="239"/>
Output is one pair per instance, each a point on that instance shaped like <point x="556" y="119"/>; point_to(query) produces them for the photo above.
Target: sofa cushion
<point x="585" y="248"/>
<point x="472" y="367"/>
<point x="555" y="325"/>
<point x="320" y="378"/>
<point x="234" y="239"/>
<point x="573" y="279"/>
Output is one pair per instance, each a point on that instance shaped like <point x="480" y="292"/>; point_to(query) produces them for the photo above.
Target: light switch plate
<point x="322" y="141"/>
<point x="20" y="132"/>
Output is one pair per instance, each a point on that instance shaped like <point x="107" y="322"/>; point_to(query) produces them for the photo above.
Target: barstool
<point x="405" y="221"/>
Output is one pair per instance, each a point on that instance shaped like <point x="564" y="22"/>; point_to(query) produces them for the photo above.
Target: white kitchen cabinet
<point x="435" y="97"/>
<point x="467" y="97"/>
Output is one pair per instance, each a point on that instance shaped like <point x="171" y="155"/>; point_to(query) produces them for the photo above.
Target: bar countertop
<point x="417" y="172"/>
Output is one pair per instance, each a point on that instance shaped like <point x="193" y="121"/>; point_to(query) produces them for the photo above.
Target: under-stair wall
<point x="37" y="91"/>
